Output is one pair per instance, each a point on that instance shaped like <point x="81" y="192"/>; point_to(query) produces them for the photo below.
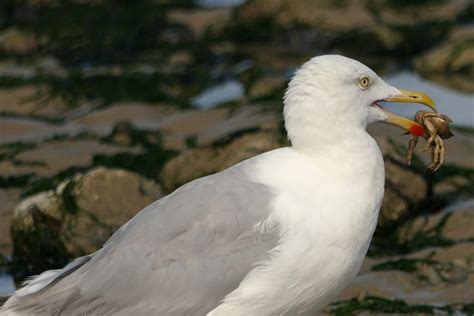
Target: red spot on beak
<point x="417" y="130"/>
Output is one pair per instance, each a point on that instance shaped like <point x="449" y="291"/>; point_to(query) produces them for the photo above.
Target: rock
<point x="459" y="225"/>
<point x="25" y="100"/>
<point x="404" y="191"/>
<point x="322" y="14"/>
<point x="451" y="63"/>
<point x="266" y="86"/>
<point x="122" y="133"/>
<point x="77" y="217"/>
<point x="432" y="277"/>
<point x="372" y="28"/>
<point x="35" y="232"/>
<point x="199" y="162"/>
<point x="17" y="41"/>
<point x="180" y="58"/>
<point x="451" y="225"/>
<point x="50" y="66"/>
<point x="410" y="14"/>
<point x="143" y="116"/>
<point x="10" y="68"/>
<point x="107" y="199"/>
<point x="50" y="158"/>
<point x="49" y="204"/>
<point x="30" y="130"/>
<point x="446" y="280"/>
<point x="208" y="126"/>
<point x="199" y="20"/>
<point x="8" y="199"/>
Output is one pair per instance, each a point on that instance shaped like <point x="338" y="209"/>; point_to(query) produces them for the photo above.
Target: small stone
<point x="404" y="189"/>
<point x="266" y="85"/>
<point x="457" y="226"/>
<point x="199" y="20"/>
<point x="14" y="40"/>
<point x="122" y="133"/>
<point x="460" y="224"/>
<point x="180" y="58"/>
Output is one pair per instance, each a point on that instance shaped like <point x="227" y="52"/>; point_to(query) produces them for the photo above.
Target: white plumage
<point x="278" y="234"/>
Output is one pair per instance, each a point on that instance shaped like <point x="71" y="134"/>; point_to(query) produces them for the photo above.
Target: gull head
<point x="332" y="97"/>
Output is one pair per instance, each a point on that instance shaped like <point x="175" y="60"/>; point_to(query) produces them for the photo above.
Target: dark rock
<point x="404" y="191"/>
<point x="199" y="20"/>
<point x="451" y="63"/>
<point x="453" y="226"/>
<point x="322" y="14"/>
<point x="266" y="85"/>
<point x="206" y="160"/>
<point x="51" y="227"/>
<point x="433" y="275"/>
<point x="14" y="40"/>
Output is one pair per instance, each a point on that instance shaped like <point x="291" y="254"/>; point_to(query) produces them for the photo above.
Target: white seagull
<point x="281" y="233"/>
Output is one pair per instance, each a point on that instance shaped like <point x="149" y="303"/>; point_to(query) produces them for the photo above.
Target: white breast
<point x="326" y="207"/>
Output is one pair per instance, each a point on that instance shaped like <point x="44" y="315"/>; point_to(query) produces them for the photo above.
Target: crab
<point x="436" y="128"/>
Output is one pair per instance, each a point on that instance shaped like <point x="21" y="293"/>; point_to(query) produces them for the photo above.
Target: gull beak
<point x="407" y="96"/>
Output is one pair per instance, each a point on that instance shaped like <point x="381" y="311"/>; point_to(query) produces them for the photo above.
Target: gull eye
<point x="364" y="83"/>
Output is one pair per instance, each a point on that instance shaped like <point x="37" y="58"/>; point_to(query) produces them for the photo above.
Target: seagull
<point x="281" y="233"/>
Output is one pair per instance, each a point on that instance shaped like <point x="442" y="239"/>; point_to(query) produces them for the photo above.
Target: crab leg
<point x="411" y="148"/>
<point x="433" y="134"/>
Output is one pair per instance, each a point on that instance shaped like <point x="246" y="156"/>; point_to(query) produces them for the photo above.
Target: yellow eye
<point x="364" y="83"/>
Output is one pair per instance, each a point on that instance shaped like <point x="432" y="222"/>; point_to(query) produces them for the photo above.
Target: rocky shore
<point x="99" y="119"/>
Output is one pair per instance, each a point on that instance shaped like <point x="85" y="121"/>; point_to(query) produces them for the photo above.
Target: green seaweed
<point x="258" y="30"/>
<point x="467" y="15"/>
<point x="105" y="88"/>
<point x="40" y="184"/>
<point x="30" y="163"/>
<point x="379" y="305"/>
<point x="403" y="4"/>
<point x="9" y="151"/>
<point x="108" y="31"/>
<point x="394" y="244"/>
<point x="33" y="117"/>
<point x="15" y="181"/>
<point x="39" y="248"/>
<point x="403" y="264"/>
<point x="148" y="163"/>
<point x="68" y="199"/>
<point x="105" y="35"/>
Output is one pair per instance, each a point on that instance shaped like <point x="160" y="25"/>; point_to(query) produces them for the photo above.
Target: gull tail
<point x="39" y="295"/>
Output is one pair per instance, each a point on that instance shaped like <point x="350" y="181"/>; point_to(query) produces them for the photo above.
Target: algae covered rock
<point x="405" y="188"/>
<point x="404" y="191"/>
<point x="206" y="160"/>
<point x="452" y="62"/>
<point x="76" y="218"/>
<point x="14" y="40"/>
<point x="322" y="14"/>
<point x="451" y="226"/>
<point x="432" y="276"/>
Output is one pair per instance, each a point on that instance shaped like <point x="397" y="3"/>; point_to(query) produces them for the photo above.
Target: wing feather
<point x="180" y="255"/>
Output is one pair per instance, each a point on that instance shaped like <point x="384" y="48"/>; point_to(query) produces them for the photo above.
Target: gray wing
<point x="180" y="255"/>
